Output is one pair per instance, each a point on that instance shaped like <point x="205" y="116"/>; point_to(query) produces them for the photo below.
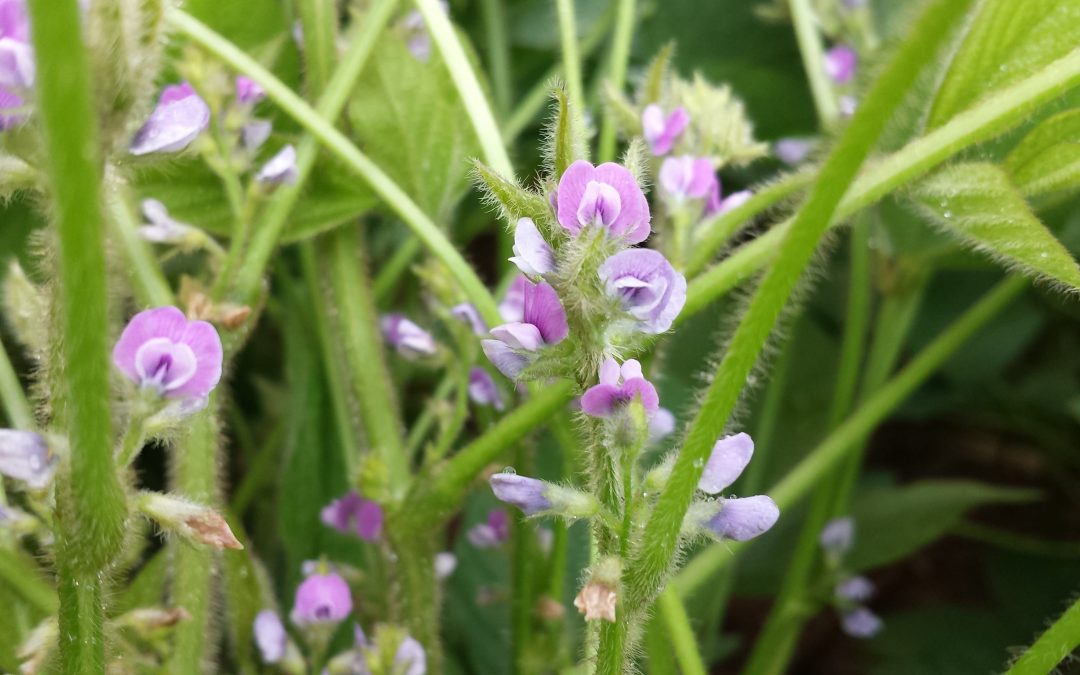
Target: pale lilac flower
<point x="619" y="385"/>
<point x="161" y="228"/>
<point x="445" y="564"/>
<point x="661" y="425"/>
<point x="161" y="350"/>
<point x="743" y="518"/>
<point x="466" y="312"/>
<point x="512" y="307"/>
<point x="321" y="599"/>
<point x="793" y="151"/>
<point x="838" y="535"/>
<point x="605" y="196"/>
<point x="532" y="255"/>
<point x="861" y="623"/>
<point x="410" y="340"/>
<point x="179" y="118"/>
<point x="254" y="134"/>
<point x="492" y="532"/>
<point x="528" y="494"/>
<point x="280" y="169"/>
<point x="482" y="389"/>
<point x="270" y="636"/>
<point x="410" y="658"/>
<point x="855" y="589"/>
<point x="646" y="286"/>
<point x="840" y="63"/>
<point x="416" y="32"/>
<point x="352" y="514"/>
<point x="248" y="91"/>
<point x="686" y="177"/>
<point x="25" y="456"/>
<point x="726" y="463"/>
<point x="847" y="105"/>
<point x="714" y="205"/>
<point x="543" y="322"/>
<point x="660" y="132"/>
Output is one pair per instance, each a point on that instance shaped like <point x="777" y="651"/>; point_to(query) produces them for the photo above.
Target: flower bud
<point x="181" y="115"/>
<point x="194" y="522"/>
<point x="491" y="533"/>
<point x="280" y="169"/>
<point x="482" y="389"/>
<point x="660" y="132"/>
<point x="25" y="456"/>
<point x="855" y="590"/>
<point x="837" y="536"/>
<point x="727" y="461"/>
<point x="534" y="496"/>
<point x="532" y="254"/>
<point x="410" y="340"/>
<point x="861" y="623"/>
<point x="352" y="514"/>
<point x="744" y="518"/>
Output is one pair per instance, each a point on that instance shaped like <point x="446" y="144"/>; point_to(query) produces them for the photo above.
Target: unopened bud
<point x="147" y="621"/>
<point x="535" y="496"/>
<point x="194" y="522"/>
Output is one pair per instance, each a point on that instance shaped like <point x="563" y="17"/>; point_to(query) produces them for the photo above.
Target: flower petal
<point x="744" y="518"/>
<point x="729" y="458"/>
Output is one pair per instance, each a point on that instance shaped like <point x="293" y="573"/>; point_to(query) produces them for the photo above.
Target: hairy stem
<point x="680" y="633"/>
<point x="618" y="61"/>
<point x="571" y="60"/>
<point x="810" y="46"/>
<point x="1052" y="647"/>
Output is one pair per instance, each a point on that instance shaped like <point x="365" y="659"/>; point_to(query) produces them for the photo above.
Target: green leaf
<point x="1048" y="158"/>
<point x="892" y="523"/>
<point x="409" y="119"/>
<point x="1008" y="40"/>
<point x="980" y="205"/>
<point x="194" y="195"/>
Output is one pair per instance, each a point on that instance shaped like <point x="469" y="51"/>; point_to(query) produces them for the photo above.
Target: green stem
<point x="364" y="353"/>
<point x="150" y="285"/>
<point x="680" y="633"/>
<point x="340" y="146"/>
<point x="498" y="53"/>
<point x="660" y="539"/>
<point x="996" y="113"/>
<point x="1052" y="647"/>
<point x="468" y="86"/>
<point x="91" y="506"/>
<point x="391" y="271"/>
<point x="275" y="215"/>
<point x="845" y="438"/>
<point x="618" y="61"/>
<point x="571" y="61"/>
<point x="16" y="407"/>
<point x="810" y="46"/>
<point x="418" y="430"/>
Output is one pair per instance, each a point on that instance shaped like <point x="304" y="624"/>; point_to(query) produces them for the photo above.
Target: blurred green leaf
<point x="147" y="588"/>
<point x="410" y="120"/>
<point x="979" y="204"/>
<point x="1007" y="40"/>
<point x="894" y="522"/>
<point x="1048" y="159"/>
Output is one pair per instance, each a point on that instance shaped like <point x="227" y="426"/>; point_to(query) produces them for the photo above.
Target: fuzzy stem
<point x="468" y="86"/>
<point x="1052" y="647"/>
<point x="340" y="146"/>
<point x="681" y="634"/>
<point x="82" y="641"/>
<point x="571" y="61"/>
<point x="498" y="53"/>
<point x="651" y="568"/>
<point x="16" y="406"/>
<point x="618" y="60"/>
<point x="802" y="16"/>
<point x="273" y="218"/>
<point x="997" y="113"/>
<point x="845" y="438"/>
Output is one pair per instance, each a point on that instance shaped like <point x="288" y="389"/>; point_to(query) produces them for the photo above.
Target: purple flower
<point x="861" y="623"/>
<point x="855" y="590"/>
<point x="838" y="535"/>
<point x="410" y="659"/>
<point x="512" y="307"/>
<point x="729" y="458"/>
<point x="840" y="63"/>
<point x="528" y="494"/>
<point x="605" y="196"/>
<point x="482" y="389"/>
<point x="661" y="133"/>
<point x="180" y="116"/>
<point x="410" y="340"/>
<point x="646" y="285"/>
<point x="248" y="91"/>
<point x="685" y="177"/>
<point x="161" y="228"/>
<point x="532" y="255"/>
<point x="254" y="134"/>
<point x="25" y="456"/>
<point x="714" y="205"/>
<point x="270" y="636"/>
<point x="543" y="322"/>
<point x="320" y="599"/>
<point x="491" y="533"/>
<point x="352" y="514"/>
<point x="744" y="518"/>
<point x="661" y="424"/>
<point x="793" y="151"/>
<point x="619" y="386"/>
<point x="467" y="313"/>
<point x="162" y="351"/>
<point x="281" y="169"/>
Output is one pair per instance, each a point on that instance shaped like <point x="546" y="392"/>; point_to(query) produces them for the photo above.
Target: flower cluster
<point x="850" y="592"/>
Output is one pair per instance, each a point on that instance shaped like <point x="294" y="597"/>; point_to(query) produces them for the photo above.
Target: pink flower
<point x="163" y="351"/>
<point x="321" y="599"/>
<point x="687" y="177"/>
<point x="660" y="132"/>
<point x="618" y="386"/>
<point x="179" y="118"/>
<point x="352" y="514"/>
<point x="840" y="63"/>
<point x="543" y="322"/>
<point x="492" y="532"/>
<point x="604" y="196"/>
<point x="248" y="91"/>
